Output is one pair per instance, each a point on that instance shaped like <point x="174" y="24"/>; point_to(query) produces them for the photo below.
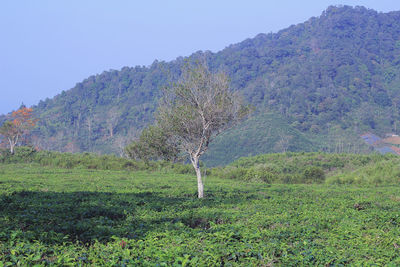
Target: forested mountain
<point x="316" y="86"/>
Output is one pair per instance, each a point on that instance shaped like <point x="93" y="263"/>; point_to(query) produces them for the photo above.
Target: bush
<point x="183" y="169"/>
<point x="4" y="155"/>
<point x="263" y="173"/>
<point x="313" y="174"/>
<point x="21" y="154"/>
<point x="230" y="173"/>
<point x="25" y="153"/>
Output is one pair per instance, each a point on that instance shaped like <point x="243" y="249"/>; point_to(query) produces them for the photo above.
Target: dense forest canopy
<point x="315" y="85"/>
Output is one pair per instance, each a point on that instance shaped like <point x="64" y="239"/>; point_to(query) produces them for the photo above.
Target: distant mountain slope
<point x="331" y="77"/>
<point x="262" y="132"/>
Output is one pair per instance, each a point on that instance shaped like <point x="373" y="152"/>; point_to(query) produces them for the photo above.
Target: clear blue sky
<point x="49" y="46"/>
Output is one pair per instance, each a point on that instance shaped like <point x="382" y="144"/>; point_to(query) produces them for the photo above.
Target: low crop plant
<point x="93" y="217"/>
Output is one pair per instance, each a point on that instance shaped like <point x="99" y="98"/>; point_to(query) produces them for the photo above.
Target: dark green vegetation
<point x="283" y="168"/>
<point x="308" y="168"/>
<point x="109" y="217"/>
<point x="152" y="145"/>
<point x="87" y="161"/>
<point x="260" y="133"/>
<point x="322" y="83"/>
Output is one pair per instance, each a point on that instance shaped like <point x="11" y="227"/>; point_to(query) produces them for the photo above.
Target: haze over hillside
<point x="317" y="85"/>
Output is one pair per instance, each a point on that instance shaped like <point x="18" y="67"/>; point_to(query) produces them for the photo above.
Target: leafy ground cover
<point x="54" y="216"/>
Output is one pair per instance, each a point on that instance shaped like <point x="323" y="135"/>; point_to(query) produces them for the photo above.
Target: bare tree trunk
<point x="12" y="142"/>
<point x="112" y="120"/>
<point x="111" y="131"/>
<point x="200" y="185"/>
<point x="12" y="148"/>
<point x="89" y="123"/>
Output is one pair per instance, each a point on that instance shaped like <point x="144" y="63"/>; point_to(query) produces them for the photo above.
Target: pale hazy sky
<point x="49" y="46"/>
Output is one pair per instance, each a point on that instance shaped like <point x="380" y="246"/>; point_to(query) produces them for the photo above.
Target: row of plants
<point x="27" y="154"/>
<point x="282" y="168"/>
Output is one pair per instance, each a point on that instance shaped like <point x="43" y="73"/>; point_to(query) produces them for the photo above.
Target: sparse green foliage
<point x="196" y="109"/>
<point x="153" y="144"/>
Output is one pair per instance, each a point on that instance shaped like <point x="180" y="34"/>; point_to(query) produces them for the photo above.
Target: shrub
<point x="230" y="172"/>
<point x="21" y="154"/>
<point x="261" y="172"/>
<point x="313" y="174"/>
<point x="4" y="155"/>
<point x="183" y="168"/>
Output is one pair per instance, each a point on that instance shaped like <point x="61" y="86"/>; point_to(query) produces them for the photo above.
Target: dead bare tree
<point x="283" y="142"/>
<point x="112" y="120"/>
<point x="122" y="140"/>
<point x="90" y="120"/>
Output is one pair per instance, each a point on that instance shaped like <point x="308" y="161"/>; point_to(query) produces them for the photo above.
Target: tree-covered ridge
<point x="320" y="70"/>
<point x="101" y="111"/>
<point x="336" y="75"/>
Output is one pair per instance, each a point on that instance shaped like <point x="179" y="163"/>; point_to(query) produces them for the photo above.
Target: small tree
<point x="11" y="133"/>
<point x="196" y="109"/>
<point x="21" y="124"/>
<point x="152" y="145"/>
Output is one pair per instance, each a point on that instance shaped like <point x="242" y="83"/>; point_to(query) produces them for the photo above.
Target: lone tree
<point x="193" y="111"/>
<point x="10" y="132"/>
<point x="21" y="124"/>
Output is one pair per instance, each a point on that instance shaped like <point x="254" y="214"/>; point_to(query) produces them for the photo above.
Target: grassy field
<point x="55" y="216"/>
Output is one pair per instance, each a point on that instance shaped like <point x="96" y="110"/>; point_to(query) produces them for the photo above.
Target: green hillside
<point x="321" y="83"/>
<point x="262" y="132"/>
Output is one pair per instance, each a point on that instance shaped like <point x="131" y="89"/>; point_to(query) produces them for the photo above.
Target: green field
<point x="54" y="216"/>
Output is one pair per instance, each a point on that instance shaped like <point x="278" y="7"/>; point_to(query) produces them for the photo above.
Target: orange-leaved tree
<point x="20" y="125"/>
